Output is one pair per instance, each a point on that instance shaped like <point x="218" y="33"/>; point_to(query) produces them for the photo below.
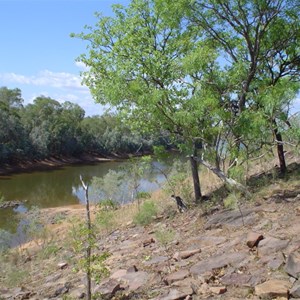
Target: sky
<point x="38" y="55"/>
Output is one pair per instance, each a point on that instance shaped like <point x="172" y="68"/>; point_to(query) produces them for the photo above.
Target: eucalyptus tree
<point x="13" y="138"/>
<point x="146" y="65"/>
<point x="258" y="47"/>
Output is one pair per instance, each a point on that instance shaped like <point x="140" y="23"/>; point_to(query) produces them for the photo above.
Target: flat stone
<point x="295" y="290"/>
<point x="135" y="280"/>
<point x="235" y="279"/>
<point x="108" y="288"/>
<point x="186" y="254"/>
<point x="271" y="245"/>
<point x="179" y="275"/>
<point x="293" y="265"/>
<point x="156" y="260"/>
<point x="273" y="288"/>
<point x="176" y="294"/>
<point x="118" y="274"/>
<point x="218" y="290"/>
<point x="218" y="261"/>
<point x="233" y="218"/>
<point x="205" y="241"/>
<point x="253" y="239"/>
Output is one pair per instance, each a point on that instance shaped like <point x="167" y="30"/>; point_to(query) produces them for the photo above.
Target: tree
<point x="137" y="64"/>
<point x="13" y="138"/>
<point x="258" y="42"/>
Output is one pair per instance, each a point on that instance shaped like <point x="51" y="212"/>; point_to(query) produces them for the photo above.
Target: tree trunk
<point x="280" y="150"/>
<point x="89" y="237"/>
<point x="223" y="177"/>
<point x="196" y="181"/>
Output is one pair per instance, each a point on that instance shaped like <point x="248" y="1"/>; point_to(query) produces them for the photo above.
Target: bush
<point x="146" y="213"/>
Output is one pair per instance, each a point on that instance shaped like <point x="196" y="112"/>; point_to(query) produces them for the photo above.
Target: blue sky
<point x="37" y="54"/>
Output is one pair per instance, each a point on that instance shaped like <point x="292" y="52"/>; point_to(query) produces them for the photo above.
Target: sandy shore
<point x="53" y="163"/>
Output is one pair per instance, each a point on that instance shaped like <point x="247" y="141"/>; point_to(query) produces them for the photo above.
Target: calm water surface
<point x="55" y="188"/>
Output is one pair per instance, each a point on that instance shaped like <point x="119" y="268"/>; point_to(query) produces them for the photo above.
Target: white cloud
<point x="81" y="65"/>
<point x="47" y="78"/>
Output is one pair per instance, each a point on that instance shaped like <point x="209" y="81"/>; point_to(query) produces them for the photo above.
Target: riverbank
<point x="55" y="163"/>
<point x="208" y="252"/>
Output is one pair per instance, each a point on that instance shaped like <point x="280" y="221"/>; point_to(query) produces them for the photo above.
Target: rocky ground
<point x="247" y="253"/>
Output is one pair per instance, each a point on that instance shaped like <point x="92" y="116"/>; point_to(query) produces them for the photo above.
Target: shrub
<point x="146" y="213"/>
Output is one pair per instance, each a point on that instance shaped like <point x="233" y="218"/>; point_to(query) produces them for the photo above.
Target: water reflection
<point x="56" y="188"/>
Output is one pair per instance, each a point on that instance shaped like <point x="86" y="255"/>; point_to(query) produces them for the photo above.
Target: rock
<point x="118" y="274"/>
<point x="271" y="245"/>
<point x="62" y="290"/>
<point x="218" y="261"/>
<point x="295" y="290"/>
<point x="188" y="253"/>
<point x="253" y="239"/>
<point x="132" y="269"/>
<point x="293" y="265"/>
<point x="108" y="288"/>
<point x="148" y="242"/>
<point x="179" y="275"/>
<point x="218" y="290"/>
<point x="135" y="280"/>
<point x="156" y="260"/>
<point x="273" y="288"/>
<point x="62" y="265"/>
<point x="235" y="279"/>
<point x="130" y="280"/>
<point x="176" y="294"/>
<point x="7" y="204"/>
<point x="233" y="218"/>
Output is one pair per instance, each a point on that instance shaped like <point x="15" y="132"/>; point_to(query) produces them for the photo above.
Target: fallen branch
<point x="223" y="177"/>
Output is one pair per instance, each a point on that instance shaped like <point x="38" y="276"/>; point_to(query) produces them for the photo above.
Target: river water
<point x="57" y="187"/>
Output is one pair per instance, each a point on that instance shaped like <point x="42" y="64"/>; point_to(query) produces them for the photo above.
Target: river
<point x="57" y="187"/>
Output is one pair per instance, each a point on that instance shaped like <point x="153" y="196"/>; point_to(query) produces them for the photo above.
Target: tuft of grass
<point x="15" y="277"/>
<point x="231" y="201"/>
<point x="147" y="212"/>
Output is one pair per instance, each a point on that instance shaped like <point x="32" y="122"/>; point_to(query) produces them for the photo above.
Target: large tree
<point x="258" y="45"/>
<point x="142" y="62"/>
<point x="13" y="138"/>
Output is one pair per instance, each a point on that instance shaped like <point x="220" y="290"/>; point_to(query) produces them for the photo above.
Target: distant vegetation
<point x="47" y="128"/>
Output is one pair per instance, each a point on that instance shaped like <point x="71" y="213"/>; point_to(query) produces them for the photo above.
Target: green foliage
<point x="81" y="236"/>
<point x="147" y="212"/>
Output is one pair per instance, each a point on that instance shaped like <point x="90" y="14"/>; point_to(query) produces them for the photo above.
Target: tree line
<point x="48" y="128"/>
<point x="219" y="76"/>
